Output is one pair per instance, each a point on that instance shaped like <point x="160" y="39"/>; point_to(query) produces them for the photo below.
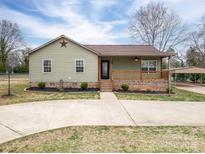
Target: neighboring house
<point x="65" y="62"/>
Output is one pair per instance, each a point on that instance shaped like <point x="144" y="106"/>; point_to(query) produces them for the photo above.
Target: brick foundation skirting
<point x="142" y="85"/>
<point x="66" y="84"/>
<point x="134" y="85"/>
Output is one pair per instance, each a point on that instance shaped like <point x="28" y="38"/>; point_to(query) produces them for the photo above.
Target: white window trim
<point x="83" y="65"/>
<point x="148" y="64"/>
<point x="42" y="65"/>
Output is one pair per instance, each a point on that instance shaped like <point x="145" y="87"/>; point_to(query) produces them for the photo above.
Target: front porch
<point x="140" y="73"/>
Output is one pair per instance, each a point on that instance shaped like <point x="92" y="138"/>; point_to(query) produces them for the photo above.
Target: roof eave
<point x="136" y="55"/>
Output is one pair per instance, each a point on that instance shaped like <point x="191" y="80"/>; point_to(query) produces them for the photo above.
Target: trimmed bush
<point x="148" y="90"/>
<point x="125" y="87"/>
<point x="84" y="85"/>
<point x="41" y="85"/>
<point x="60" y="89"/>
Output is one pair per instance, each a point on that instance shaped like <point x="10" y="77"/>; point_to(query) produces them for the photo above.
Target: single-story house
<point x="65" y="62"/>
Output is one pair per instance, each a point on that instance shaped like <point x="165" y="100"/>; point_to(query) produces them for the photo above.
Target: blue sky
<point x="86" y="21"/>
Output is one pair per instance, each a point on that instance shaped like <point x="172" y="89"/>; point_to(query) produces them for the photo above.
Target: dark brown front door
<point x="105" y="69"/>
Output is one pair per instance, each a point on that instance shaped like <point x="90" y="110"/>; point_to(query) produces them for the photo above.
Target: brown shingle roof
<point x="114" y="50"/>
<point x="128" y="50"/>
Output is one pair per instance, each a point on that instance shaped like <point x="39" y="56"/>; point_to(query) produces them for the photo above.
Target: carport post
<point x="195" y="78"/>
<point x="201" y="77"/>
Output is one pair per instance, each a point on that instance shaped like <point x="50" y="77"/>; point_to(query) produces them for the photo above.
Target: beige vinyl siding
<point x="128" y="63"/>
<point x="125" y="63"/>
<point x="63" y="64"/>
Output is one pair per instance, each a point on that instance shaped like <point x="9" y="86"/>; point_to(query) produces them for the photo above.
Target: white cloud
<point x="100" y="6"/>
<point x="71" y="18"/>
<point x="74" y="25"/>
<point x="80" y="27"/>
<point x="188" y="10"/>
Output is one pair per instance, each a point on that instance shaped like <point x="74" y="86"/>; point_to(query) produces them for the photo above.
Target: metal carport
<point x="188" y="70"/>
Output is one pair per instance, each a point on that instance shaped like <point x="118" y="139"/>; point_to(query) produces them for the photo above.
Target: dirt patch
<point x="144" y="92"/>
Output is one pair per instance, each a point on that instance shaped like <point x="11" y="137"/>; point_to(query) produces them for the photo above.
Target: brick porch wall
<point x="66" y="84"/>
<point x="142" y="85"/>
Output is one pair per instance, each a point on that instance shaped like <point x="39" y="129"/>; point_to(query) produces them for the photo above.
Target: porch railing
<point x="138" y="75"/>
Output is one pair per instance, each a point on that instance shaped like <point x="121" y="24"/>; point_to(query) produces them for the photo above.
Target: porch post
<point x="99" y="68"/>
<point x="140" y="59"/>
<point x="161" y="67"/>
<point x="111" y="68"/>
<point x="169" y="76"/>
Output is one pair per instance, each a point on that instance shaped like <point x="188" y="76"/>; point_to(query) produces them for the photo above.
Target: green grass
<point x="19" y="96"/>
<point x="112" y="139"/>
<point x="181" y="95"/>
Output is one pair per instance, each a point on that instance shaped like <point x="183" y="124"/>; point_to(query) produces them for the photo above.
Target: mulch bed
<point x="64" y="90"/>
<point x="144" y="92"/>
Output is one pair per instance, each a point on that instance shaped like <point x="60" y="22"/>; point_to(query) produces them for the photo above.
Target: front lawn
<point x="19" y="96"/>
<point x="112" y="139"/>
<point x="181" y="95"/>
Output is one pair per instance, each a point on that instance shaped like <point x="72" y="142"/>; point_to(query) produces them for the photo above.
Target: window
<point x="79" y="65"/>
<point x="152" y="65"/>
<point x="145" y="65"/>
<point x="149" y="66"/>
<point x="46" y="66"/>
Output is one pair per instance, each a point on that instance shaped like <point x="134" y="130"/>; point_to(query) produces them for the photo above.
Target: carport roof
<point x="188" y="70"/>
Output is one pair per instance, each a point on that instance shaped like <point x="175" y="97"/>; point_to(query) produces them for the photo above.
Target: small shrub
<point x="125" y="87"/>
<point x="60" y="89"/>
<point x="84" y="85"/>
<point x="148" y="90"/>
<point x="41" y="85"/>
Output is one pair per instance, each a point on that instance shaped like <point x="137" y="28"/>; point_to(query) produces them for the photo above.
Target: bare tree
<point x="154" y="24"/>
<point x="10" y="40"/>
<point x="14" y="59"/>
<point x="197" y="43"/>
<point x="179" y="59"/>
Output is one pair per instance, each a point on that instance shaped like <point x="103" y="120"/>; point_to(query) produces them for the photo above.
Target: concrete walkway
<point x="192" y="88"/>
<point x="109" y="96"/>
<point x="23" y="119"/>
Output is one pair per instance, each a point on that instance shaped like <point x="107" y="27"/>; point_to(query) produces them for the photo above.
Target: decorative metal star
<point x="63" y="43"/>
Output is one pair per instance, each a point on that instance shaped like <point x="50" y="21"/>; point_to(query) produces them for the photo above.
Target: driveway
<point x="192" y="88"/>
<point x="22" y="119"/>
